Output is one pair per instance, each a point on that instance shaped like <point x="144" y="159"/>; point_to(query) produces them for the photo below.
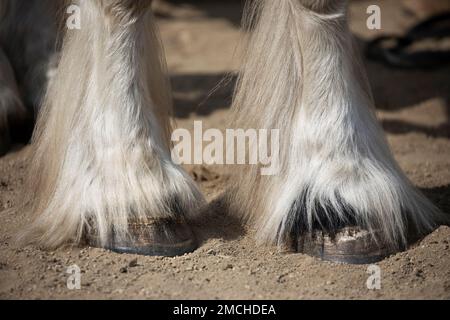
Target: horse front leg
<point x="101" y="169"/>
<point x="339" y="194"/>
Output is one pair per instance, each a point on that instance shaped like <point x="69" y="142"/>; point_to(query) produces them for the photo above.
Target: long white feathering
<point x="101" y="147"/>
<point x="301" y="74"/>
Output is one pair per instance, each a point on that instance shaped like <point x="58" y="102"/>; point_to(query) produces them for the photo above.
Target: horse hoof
<point x="350" y="245"/>
<point x="166" y="238"/>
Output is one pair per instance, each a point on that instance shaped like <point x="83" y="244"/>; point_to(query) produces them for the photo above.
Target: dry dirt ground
<point x="200" y="38"/>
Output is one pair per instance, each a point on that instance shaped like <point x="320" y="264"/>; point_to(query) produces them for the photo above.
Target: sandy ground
<point x="200" y="40"/>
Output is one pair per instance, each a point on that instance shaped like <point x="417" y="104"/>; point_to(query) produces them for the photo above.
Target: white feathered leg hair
<point x="301" y="75"/>
<point x="102" y="147"/>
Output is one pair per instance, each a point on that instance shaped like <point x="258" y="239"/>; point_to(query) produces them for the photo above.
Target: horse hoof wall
<point x="350" y="245"/>
<point x="166" y="238"/>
